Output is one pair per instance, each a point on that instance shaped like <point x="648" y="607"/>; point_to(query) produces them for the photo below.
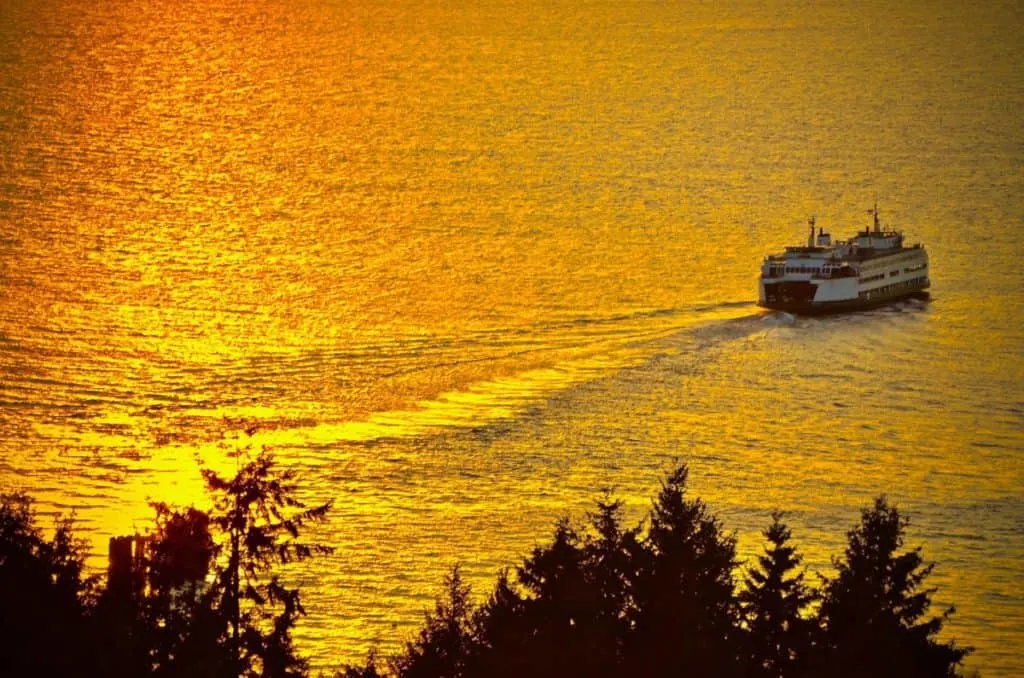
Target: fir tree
<point x="558" y="605"/>
<point x="445" y="642"/>
<point x="502" y="635"/>
<point x="874" y="610"/>
<point x="260" y="516"/>
<point x="609" y="569"/>
<point x="773" y="602"/>
<point x="555" y="621"/>
<point x="45" y="598"/>
<point x="686" y="616"/>
<point x="609" y="557"/>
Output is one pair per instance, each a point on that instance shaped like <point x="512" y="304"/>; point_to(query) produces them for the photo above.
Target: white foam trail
<point x="780" y="319"/>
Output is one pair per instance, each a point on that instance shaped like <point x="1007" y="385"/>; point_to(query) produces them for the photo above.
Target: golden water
<point x="462" y="267"/>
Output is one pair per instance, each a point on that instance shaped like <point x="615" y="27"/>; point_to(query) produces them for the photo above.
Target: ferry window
<point x="894" y="273"/>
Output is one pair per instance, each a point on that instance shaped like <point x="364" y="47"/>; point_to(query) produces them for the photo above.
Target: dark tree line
<point x="602" y="600"/>
<point x="198" y="598"/>
<point x="202" y="597"/>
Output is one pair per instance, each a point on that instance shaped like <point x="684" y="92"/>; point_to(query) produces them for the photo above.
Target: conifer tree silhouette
<point x="445" y="642"/>
<point x="558" y="603"/>
<point x="609" y="554"/>
<point x="686" y="619"/>
<point x="502" y="636"/>
<point x="773" y="603"/>
<point x="260" y="516"/>
<point x="873" y="611"/>
<point x="204" y="599"/>
<point x="45" y="598"/>
<point x="567" y="613"/>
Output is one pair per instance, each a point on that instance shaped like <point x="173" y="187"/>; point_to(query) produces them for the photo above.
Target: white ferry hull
<point x="844" y="305"/>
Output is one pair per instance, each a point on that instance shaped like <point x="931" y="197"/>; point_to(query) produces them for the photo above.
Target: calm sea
<point x="462" y="265"/>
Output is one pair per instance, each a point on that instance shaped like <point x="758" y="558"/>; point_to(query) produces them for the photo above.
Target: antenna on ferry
<point x="810" y="238"/>
<point x="875" y="212"/>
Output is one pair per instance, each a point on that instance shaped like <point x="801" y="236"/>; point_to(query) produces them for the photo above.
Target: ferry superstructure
<point x="872" y="268"/>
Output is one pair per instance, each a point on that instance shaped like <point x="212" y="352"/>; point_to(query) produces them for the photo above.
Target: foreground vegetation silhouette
<point x="202" y="596"/>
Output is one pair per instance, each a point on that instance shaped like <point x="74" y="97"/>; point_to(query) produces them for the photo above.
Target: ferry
<point x="871" y="269"/>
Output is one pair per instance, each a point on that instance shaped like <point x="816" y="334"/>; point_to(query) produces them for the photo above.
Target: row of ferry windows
<point x="798" y="269"/>
<point x="893" y="274"/>
<point x="893" y="288"/>
<point x="870" y="278"/>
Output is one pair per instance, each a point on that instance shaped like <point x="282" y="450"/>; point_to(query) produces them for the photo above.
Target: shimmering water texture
<point x="464" y="266"/>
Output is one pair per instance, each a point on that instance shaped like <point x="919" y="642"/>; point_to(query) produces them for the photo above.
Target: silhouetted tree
<point x="203" y="598"/>
<point x="502" y="634"/>
<point x="238" y="622"/>
<point x="558" y="604"/>
<point x="156" y="615"/>
<point x="610" y="556"/>
<point x="568" y="612"/>
<point x="773" y="603"/>
<point x="686" y="615"/>
<point x="873" y="610"/>
<point x="185" y="629"/>
<point x="367" y="670"/>
<point x="260" y="516"/>
<point x="44" y="597"/>
<point x="445" y="642"/>
<point x="181" y="551"/>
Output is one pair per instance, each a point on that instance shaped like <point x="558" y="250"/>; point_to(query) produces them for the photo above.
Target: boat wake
<point x="502" y="384"/>
<point x="780" y="319"/>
